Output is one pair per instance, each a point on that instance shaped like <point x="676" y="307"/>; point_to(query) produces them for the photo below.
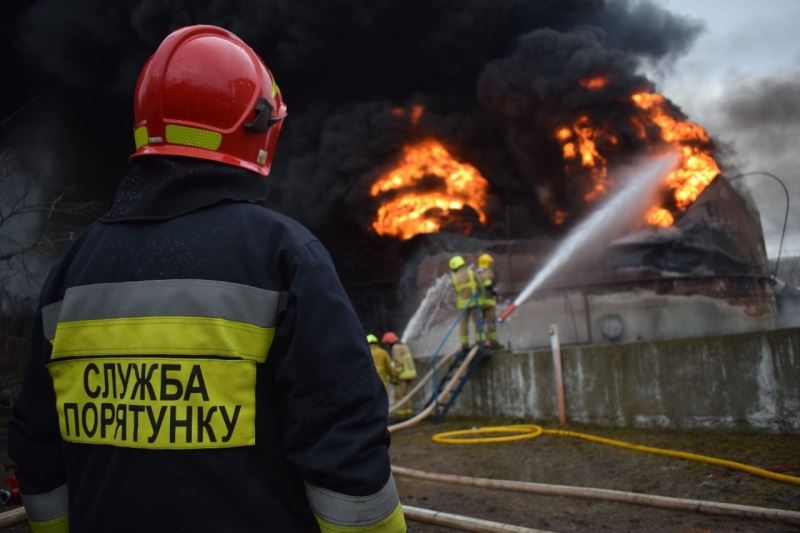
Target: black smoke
<point x="493" y="76"/>
<point x="761" y="120"/>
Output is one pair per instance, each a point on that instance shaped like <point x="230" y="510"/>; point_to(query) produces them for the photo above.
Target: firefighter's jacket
<point x="404" y="360"/>
<point x="197" y="367"/>
<point x="485" y="279"/>
<point x="383" y="364"/>
<point x="465" y="286"/>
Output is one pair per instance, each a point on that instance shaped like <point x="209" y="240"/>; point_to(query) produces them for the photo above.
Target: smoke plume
<point x="494" y="78"/>
<point x="761" y="119"/>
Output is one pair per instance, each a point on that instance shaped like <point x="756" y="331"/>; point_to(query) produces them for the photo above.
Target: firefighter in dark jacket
<point x="196" y="364"/>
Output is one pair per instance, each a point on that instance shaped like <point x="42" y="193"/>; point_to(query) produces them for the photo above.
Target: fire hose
<point x="616" y="496"/>
<point x="440" y="398"/>
<point x="531" y="431"/>
<point x="421" y="382"/>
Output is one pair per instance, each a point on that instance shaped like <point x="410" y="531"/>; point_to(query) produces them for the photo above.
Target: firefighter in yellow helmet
<point x="407" y="371"/>
<point x="488" y="297"/>
<point x="383" y="363"/>
<point x="465" y="286"/>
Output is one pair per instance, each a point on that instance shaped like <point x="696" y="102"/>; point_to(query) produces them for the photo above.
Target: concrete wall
<point x="746" y="381"/>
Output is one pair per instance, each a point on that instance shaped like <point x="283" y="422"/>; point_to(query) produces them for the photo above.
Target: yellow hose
<point x="531" y="431"/>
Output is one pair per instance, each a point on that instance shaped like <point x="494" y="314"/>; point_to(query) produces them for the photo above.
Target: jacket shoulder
<point x="292" y="232"/>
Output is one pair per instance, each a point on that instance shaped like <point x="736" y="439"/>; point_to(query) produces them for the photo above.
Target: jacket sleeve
<point x="35" y="441"/>
<point x="391" y="370"/>
<point x="332" y="405"/>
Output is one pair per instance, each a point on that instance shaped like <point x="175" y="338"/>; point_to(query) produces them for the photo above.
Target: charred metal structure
<point x="708" y="274"/>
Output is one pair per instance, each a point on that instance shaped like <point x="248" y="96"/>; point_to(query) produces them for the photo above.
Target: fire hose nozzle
<point x="510" y="309"/>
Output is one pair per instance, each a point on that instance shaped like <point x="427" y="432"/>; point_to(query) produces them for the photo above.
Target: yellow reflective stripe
<point x="470" y="283"/>
<point x="274" y="84"/>
<point x="56" y="525"/>
<point x="162" y="335"/>
<point x="210" y="140"/>
<point x="140" y="136"/>
<point x="394" y="523"/>
<point x="408" y="374"/>
<point x="156" y="403"/>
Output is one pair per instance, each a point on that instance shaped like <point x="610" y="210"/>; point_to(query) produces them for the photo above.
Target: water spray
<point x="643" y="180"/>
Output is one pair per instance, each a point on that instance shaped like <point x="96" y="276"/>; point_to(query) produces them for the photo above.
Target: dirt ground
<point x="568" y="461"/>
<point x="573" y="462"/>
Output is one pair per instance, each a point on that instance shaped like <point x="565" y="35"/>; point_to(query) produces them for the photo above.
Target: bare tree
<point x="34" y="224"/>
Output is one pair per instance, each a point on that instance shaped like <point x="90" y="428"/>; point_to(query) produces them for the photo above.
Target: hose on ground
<point x="441" y="398"/>
<point x="532" y="431"/>
<point x="420" y="383"/>
<point x="462" y="523"/>
<point x="617" y="496"/>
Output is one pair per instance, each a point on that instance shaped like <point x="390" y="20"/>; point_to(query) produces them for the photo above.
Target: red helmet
<point x="390" y="337"/>
<point x="204" y="93"/>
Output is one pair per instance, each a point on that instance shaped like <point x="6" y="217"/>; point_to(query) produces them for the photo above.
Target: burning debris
<point x="580" y="146"/>
<point x="697" y="168"/>
<point x="424" y="190"/>
<point x="587" y="148"/>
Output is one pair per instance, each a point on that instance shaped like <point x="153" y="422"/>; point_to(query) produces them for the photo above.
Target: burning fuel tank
<point x="707" y="274"/>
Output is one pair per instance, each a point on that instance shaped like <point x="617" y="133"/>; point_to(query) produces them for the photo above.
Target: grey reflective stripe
<point x="50" y="320"/>
<point x="48" y="505"/>
<point x="344" y="510"/>
<point x="171" y="297"/>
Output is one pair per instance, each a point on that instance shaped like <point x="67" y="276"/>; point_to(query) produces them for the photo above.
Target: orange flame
<point x="559" y="216"/>
<point x="585" y="146"/>
<point x="697" y="167"/>
<point x="414" y="114"/>
<point x="659" y="217"/>
<point x="579" y="141"/>
<point x="594" y="83"/>
<point x="411" y="212"/>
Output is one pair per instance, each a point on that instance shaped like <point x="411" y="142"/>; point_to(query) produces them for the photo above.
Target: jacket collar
<point x="159" y="188"/>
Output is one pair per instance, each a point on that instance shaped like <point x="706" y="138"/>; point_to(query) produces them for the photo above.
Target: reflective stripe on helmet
<point x="197" y="137"/>
<point x="140" y="136"/>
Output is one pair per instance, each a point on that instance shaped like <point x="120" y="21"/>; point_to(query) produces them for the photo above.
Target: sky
<point x="741" y="80"/>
